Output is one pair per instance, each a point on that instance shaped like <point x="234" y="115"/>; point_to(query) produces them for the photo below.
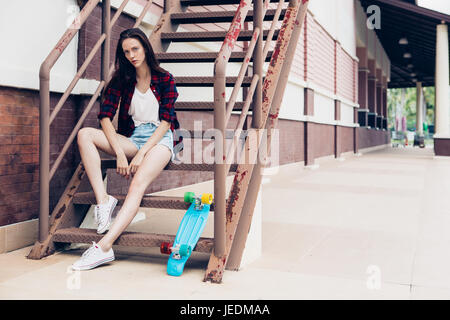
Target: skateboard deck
<point x="189" y="231"/>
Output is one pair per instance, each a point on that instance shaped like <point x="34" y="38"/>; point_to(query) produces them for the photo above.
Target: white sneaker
<point x="93" y="257"/>
<point x="103" y="213"/>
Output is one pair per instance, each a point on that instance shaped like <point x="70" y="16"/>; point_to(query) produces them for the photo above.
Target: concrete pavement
<point x="374" y="226"/>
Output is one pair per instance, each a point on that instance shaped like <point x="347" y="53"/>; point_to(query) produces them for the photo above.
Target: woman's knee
<point x="138" y="184"/>
<point x="84" y="135"/>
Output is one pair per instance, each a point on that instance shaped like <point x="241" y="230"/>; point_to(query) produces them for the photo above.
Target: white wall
<point x="29" y="29"/>
<point x="338" y="19"/>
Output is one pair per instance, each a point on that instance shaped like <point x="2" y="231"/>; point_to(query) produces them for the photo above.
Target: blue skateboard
<point x="188" y="233"/>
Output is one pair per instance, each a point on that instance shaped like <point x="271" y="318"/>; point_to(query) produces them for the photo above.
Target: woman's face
<point x="134" y="51"/>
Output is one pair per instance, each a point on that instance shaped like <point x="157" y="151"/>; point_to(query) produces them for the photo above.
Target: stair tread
<point x="218" y="16"/>
<point x="148" y="201"/>
<point x="202" y="105"/>
<point x="111" y="163"/>
<point x="177" y="57"/>
<point x="244" y="35"/>
<point x="212" y="2"/>
<point x="201" y="81"/>
<point x="134" y="239"/>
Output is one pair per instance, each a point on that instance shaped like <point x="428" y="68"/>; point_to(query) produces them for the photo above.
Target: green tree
<point x="409" y="108"/>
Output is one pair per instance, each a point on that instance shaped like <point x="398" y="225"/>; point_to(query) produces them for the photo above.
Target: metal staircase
<point x="232" y="213"/>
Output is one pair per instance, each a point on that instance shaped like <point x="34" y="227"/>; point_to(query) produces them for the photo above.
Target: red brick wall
<point x="19" y="153"/>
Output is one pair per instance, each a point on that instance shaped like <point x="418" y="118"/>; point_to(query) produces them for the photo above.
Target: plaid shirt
<point x="165" y="91"/>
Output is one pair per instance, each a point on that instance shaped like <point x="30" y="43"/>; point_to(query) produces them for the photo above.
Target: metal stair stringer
<point x="165" y="24"/>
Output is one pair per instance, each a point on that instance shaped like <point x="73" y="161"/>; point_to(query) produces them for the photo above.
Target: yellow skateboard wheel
<point x="207" y="198"/>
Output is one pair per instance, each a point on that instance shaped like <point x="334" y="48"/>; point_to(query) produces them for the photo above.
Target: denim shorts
<point x="144" y="131"/>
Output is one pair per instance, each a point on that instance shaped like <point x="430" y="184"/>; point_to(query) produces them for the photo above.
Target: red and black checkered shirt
<point x="165" y="91"/>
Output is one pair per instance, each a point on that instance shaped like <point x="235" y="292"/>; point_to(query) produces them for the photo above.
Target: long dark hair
<point x="125" y="72"/>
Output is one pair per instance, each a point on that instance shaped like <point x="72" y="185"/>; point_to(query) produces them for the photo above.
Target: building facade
<point x="334" y="103"/>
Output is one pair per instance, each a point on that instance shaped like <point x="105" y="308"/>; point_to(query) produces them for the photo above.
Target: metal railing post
<point x="44" y="155"/>
<point x="166" y="6"/>
<point x="258" y="62"/>
<point x="106" y="46"/>
<point x="219" y="165"/>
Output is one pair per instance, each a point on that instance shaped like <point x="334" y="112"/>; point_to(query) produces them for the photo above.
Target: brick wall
<point x="19" y="152"/>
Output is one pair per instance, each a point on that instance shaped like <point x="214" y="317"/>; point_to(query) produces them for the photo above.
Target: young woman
<point x="147" y="118"/>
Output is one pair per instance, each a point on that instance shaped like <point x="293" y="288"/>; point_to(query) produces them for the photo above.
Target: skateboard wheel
<point x="185" y="250"/>
<point x="165" y="247"/>
<point x="189" y="197"/>
<point x="207" y="198"/>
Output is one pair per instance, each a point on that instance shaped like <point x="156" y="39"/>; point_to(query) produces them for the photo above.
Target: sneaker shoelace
<point x="89" y="251"/>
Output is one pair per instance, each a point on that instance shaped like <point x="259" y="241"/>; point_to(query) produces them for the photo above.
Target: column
<point x="363" y="78"/>
<point x="384" y="94"/>
<point x="442" y="130"/>
<point x="337" y="129"/>
<point x="442" y="82"/>
<point x="372" y="95"/>
<point x="309" y="127"/>
<point x="419" y="109"/>
<point x="379" y="103"/>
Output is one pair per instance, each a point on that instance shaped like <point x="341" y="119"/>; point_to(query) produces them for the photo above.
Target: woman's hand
<point x="122" y="165"/>
<point x="136" y="162"/>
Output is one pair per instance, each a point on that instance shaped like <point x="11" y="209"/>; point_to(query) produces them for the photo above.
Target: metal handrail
<point x="247" y="180"/>
<point x="232" y="101"/>
<point x="244" y="66"/>
<point x="45" y="173"/>
<point x="219" y="124"/>
<point x="223" y="110"/>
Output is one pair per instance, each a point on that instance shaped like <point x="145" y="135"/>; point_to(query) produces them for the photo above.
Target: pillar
<point x="442" y="130"/>
<point x="363" y="78"/>
<point x="442" y="81"/>
<point x="384" y="94"/>
<point x="419" y="109"/>
<point x="372" y="95"/>
<point x="379" y="99"/>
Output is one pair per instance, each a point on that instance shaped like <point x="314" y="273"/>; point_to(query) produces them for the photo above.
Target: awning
<point x="407" y="21"/>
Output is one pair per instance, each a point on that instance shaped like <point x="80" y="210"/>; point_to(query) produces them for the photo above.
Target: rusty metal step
<point x="202" y="106"/>
<point x="207" y="135"/>
<point x="130" y="239"/>
<point x="204" y="36"/>
<point x="213" y="2"/>
<point x="200" y="57"/>
<point x="218" y="16"/>
<point x="176" y="203"/>
<point x="111" y="163"/>
<point x="209" y="81"/>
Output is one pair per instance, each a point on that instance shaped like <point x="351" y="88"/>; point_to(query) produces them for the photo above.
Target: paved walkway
<point x="369" y="227"/>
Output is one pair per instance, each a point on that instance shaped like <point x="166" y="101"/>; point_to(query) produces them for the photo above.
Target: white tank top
<point x="144" y="108"/>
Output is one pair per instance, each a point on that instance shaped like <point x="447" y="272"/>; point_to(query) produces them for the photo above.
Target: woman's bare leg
<point x="89" y="141"/>
<point x="152" y="165"/>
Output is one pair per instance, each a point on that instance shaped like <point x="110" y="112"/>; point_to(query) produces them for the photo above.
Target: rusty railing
<point x="45" y="119"/>
<point x="247" y="180"/>
<point x="223" y="109"/>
